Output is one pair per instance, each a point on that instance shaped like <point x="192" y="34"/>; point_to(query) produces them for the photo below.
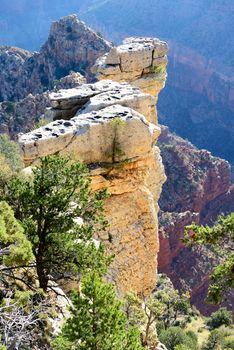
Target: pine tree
<point x="97" y="321"/>
<point x="15" y="248"/>
<point x="221" y="238"/>
<point x="59" y="214"/>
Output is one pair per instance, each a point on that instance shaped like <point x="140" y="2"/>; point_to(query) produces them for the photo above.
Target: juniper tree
<point x="97" y="321"/>
<point x="59" y="215"/>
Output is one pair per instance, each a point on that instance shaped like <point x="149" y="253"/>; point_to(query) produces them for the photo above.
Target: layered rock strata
<point x="139" y="61"/>
<point x="111" y="135"/>
<point x="90" y="97"/>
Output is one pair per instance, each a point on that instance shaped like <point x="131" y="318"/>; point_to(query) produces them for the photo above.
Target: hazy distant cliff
<point x="198" y="188"/>
<point x="71" y="46"/>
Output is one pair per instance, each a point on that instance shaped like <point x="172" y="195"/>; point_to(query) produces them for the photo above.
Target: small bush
<point x="160" y="326"/>
<point x="40" y="123"/>
<point x="10" y="151"/>
<point x="219" y="318"/>
<point x="182" y="347"/>
<point x="229" y="344"/>
<point x="9" y="107"/>
<point x="99" y="34"/>
<point x="215" y="341"/>
<point x="175" y="336"/>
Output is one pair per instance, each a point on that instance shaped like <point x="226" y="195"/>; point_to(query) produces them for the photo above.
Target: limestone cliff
<point x="139" y="61"/>
<point x="71" y="46"/>
<point x="108" y="126"/>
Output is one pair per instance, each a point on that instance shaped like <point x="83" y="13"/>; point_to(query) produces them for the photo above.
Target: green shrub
<point x="182" y="347"/>
<point x="10" y="150"/>
<point x="99" y="34"/>
<point x="215" y="341"/>
<point x="175" y="336"/>
<point x="9" y="107"/>
<point x="40" y="123"/>
<point x="97" y="320"/>
<point x="229" y="344"/>
<point x="219" y="318"/>
<point x="160" y="326"/>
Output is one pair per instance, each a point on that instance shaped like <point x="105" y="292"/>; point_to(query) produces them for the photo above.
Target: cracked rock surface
<point x="139" y="61"/>
<point x="109" y="135"/>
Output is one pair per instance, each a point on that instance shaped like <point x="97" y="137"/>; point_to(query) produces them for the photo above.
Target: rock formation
<point x="112" y="133"/>
<point x="111" y="126"/>
<point x="71" y="46"/>
<point x="195" y="177"/>
<point x="21" y="116"/>
<point x="139" y="61"/>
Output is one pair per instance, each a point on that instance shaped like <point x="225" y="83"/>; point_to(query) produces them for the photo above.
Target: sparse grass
<point x="160" y="69"/>
<point x="40" y="123"/>
<point x="199" y="327"/>
<point x="117" y="121"/>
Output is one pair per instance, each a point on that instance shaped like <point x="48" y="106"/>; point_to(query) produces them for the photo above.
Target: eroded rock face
<point x="71" y="46"/>
<point x="198" y="189"/>
<point x="195" y="177"/>
<point x="139" y="61"/>
<point x="12" y="61"/>
<point x="110" y="134"/>
<point x="92" y="97"/>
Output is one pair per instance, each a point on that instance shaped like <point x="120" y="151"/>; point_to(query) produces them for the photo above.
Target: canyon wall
<point x="198" y="189"/>
<point x="198" y="102"/>
<point x="111" y="126"/>
<point x="22" y="116"/>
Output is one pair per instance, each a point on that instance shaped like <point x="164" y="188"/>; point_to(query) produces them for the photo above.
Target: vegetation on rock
<point x="97" y="320"/>
<point x="59" y="215"/>
<point x="221" y="237"/>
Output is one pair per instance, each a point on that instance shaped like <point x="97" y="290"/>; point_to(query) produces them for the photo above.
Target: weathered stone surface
<point x="70" y="81"/>
<point x="109" y="135"/>
<point x="92" y="97"/>
<point x="139" y="61"/>
<point x="22" y="115"/>
<point x="113" y="57"/>
<point x="65" y="99"/>
<point x="124" y="95"/>
<point x="114" y="131"/>
<point x="118" y="144"/>
<point x="132" y="214"/>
